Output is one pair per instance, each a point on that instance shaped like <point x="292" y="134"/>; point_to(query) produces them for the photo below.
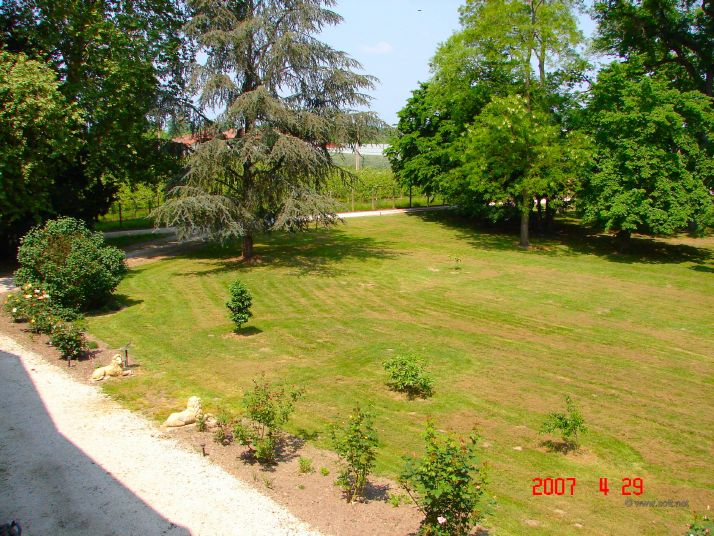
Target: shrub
<point x="239" y="304"/>
<point x="305" y="465"/>
<point x="43" y="321"/>
<point x="71" y="262"/>
<point x="356" y="444"/>
<point x="569" y="424"/>
<point x="446" y="484"/>
<point x="68" y="339"/>
<point x="702" y="526"/>
<point x="407" y="374"/>
<point x="222" y="434"/>
<point x="324" y="471"/>
<point x="268" y="408"/>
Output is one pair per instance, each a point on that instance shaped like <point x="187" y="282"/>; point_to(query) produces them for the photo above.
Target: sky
<point x="394" y="40"/>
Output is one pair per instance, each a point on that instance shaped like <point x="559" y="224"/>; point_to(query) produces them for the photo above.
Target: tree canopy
<point x="654" y="163"/>
<point x="664" y="34"/>
<point x="118" y="64"/>
<point x="39" y="129"/>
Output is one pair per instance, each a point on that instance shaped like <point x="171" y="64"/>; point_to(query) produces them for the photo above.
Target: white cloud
<point x="380" y="48"/>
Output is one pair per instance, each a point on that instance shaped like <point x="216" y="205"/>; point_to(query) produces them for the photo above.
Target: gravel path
<point x="73" y="462"/>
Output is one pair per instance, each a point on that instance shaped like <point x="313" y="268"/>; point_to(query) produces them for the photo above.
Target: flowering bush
<point x="239" y="304"/>
<point x="702" y="526"/>
<point x="68" y="339"/>
<point x="26" y="303"/>
<point x="446" y="484"/>
<point x="71" y="263"/>
<point x="32" y="304"/>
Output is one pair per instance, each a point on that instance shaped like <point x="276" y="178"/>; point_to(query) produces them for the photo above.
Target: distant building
<point x="370" y="149"/>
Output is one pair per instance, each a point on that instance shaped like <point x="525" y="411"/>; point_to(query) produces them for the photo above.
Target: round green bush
<point x="71" y="262"/>
<point x="239" y="304"/>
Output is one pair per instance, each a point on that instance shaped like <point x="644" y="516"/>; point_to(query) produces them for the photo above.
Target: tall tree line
<point x="513" y="124"/>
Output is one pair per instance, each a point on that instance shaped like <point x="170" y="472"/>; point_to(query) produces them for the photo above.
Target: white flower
<point x="441" y="520"/>
<point x="14" y="309"/>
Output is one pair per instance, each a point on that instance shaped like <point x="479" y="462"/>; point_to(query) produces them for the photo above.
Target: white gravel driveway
<point x="73" y="462"/>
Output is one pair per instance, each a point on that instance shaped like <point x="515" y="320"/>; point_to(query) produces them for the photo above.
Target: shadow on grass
<point x="247" y="332"/>
<point x="576" y="239"/>
<point x="316" y="252"/>
<point x="118" y="302"/>
<point x="562" y="447"/>
<point x="702" y="268"/>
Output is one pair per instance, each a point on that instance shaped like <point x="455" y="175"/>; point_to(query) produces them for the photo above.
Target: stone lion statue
<point x="115" y="368"/>
<point x="188" y="416"/>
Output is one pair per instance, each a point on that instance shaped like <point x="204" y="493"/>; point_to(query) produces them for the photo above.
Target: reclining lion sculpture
<point x="188" y="416"/>
<point x="114" y="369"/>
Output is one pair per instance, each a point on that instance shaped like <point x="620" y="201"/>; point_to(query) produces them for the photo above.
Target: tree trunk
<point x="247" y="247"/>
<point x="549" y="216"/>
<point x="624" y="241"/>
<point x="525" y="216"/>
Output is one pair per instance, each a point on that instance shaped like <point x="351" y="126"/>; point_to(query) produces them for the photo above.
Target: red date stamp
<point x="554" y="486"/>
<point x="566" y="486"/>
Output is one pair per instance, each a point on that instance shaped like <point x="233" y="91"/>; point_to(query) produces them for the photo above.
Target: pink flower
<point x="441" y="520"/>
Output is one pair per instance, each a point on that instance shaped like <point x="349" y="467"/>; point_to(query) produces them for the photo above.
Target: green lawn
<point x="506" y="335"/>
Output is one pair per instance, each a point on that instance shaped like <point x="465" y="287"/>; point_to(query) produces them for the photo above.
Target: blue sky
<point x="394" y="41"/>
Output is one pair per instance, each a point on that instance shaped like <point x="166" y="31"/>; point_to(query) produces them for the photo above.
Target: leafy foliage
<point x="239" y="304"/>
<point x="537" y="159"/>
<point x="702" y="526"/>
<point x="446" y="484"/>
<point x="117" y="67"/>
<point x="669" y="35"/>
<point x="653" y="161"/>
<point x="282" y="96"/>
<point x="568" y="424"/>
<point x="268" y="408"/>
<point x="71" y="263"/>
<point x="305" y="465"/>
<point x="22" y="305"/>
<point x="356" y="444"/>
<point x="407" y="374"/>
<point x="69" y="339"/>
<point x="38" y="128"/>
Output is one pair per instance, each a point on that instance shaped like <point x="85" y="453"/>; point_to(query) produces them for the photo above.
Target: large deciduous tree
<point x="654" y="163"/>
<point x="281" y="97"/>
<point x="118" y="64"/>
<point x="513" y="152"/>
<point x="38" y="128"/>
<point x="664" y="34"/>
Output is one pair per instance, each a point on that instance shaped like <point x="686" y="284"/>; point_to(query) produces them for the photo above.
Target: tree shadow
<point x="569" y="238"/>
<point x="117" y="302"/>
<point x="50" y="485"/>
<point x="316" y="252"/>
<point x="561" y="447"/>
<point x="249" y="331"/>
<point x="287" y="449"/>
<point x="375" y="492"/>
<point x="702" y="268"/>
